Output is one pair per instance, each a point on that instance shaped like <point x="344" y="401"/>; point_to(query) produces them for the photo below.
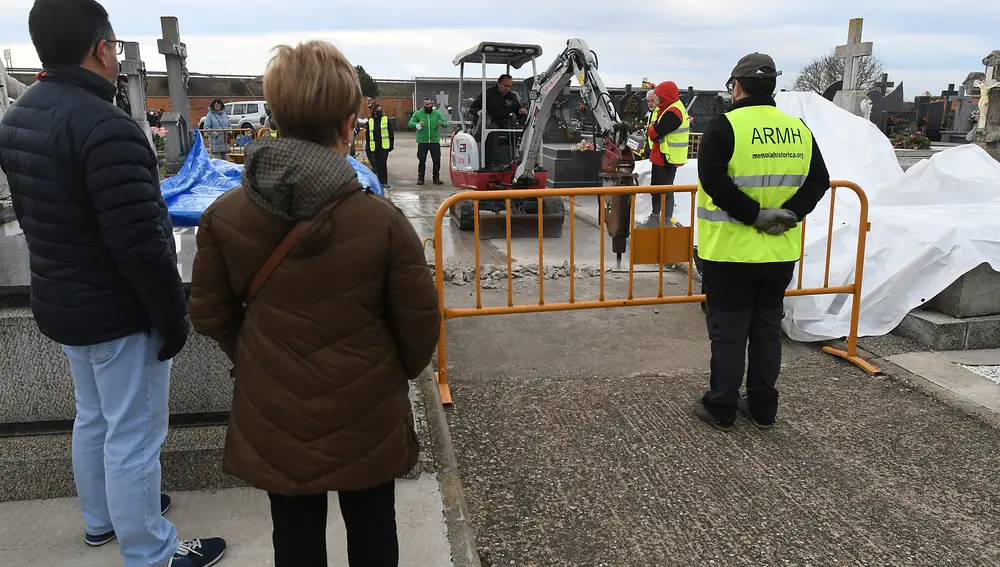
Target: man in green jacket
<point x="426" y="121"/>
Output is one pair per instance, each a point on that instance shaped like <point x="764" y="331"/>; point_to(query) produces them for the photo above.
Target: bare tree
<point x="828" y="69"/>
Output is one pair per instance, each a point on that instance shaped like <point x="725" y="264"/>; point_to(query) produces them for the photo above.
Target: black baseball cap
<point x="755" y="65"/>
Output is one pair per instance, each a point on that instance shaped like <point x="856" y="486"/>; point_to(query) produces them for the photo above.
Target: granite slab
<point x="36" y="385"/>
<point x="15" y="275"/>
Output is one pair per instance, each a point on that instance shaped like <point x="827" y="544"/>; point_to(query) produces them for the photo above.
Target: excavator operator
<point x="501" y="102"/>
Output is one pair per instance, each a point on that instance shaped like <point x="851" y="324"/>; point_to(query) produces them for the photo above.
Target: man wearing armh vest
<point x="667" y="139"/>
<point x="381" y="139"/>
<point x="760" y="173"/>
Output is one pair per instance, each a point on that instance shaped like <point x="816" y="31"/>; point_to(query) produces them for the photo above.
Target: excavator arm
<point x="579" y="61"/>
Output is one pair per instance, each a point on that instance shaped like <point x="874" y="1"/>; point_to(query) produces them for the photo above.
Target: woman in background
<point x="217" y="119"/>
<point x="320" y="295"/>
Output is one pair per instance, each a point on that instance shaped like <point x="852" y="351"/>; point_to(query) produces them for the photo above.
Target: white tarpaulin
<point x="929" y="226"/>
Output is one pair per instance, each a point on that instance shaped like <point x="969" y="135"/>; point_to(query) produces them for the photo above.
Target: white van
<point x="245" y="115"/>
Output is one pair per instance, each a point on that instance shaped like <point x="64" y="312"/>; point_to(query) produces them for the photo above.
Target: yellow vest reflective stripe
<point x="770" y="163"/>
<point x="652" y="120"/>
<point x="675" y="144"/>
<point x="274" y="133"/>
<point x="384" y="127"/>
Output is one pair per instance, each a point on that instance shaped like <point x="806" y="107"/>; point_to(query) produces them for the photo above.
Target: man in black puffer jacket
<point x="104" y="281"/>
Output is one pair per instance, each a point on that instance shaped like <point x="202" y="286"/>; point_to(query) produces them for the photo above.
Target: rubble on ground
<point x="494" y="277"/>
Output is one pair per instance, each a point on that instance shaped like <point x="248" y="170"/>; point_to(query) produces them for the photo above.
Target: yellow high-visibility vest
<point x="770" y="163"/>
<point x="673" y="146"/>
<point x="384" y="127"/>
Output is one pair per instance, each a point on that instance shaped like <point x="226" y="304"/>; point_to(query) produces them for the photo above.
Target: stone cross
<point x="950" y="92"/>
<point x="177" y="121"/>
<point x="133" y="68"/>
<point x="851" y="52"/>
<point x="441" y="100"/>
<point x="884" y="83"/>
<point x="175" y="53"/>
<point x="992" y="62"/>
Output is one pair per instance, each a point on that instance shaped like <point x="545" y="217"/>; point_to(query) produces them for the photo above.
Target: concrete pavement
<point x="48" y="533"/>
<point x="577" y="446"/>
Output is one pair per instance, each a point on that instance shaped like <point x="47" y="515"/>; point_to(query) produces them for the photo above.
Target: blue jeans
<point x="122" y="393"/>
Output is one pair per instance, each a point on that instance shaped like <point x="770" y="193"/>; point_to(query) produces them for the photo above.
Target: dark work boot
<point x="703" y="414"/>
<point x="420" y="181"/>
<point x="437" y="181"/>
<point x="743" y="406"/>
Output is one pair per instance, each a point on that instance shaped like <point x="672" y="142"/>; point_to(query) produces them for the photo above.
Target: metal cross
<point x="884" y="82"/>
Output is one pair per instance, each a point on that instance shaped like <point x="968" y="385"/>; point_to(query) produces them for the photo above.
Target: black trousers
<point x="435" y="150"/>
<point x="300" y="528"/>
<point x="379" y="160"/>
<point x="663" y="175"/>
<point x="744" y="304"/>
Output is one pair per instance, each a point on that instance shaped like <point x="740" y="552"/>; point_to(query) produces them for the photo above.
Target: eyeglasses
<point x="119" y="46"/>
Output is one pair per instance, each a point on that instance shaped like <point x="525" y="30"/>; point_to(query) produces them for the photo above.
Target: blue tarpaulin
<point x="202" y="179"/>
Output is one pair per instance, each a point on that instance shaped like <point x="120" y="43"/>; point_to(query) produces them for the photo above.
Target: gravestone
<point x="850" y="97"/>
<point x="705" y="106"/>
<point x="962" y="122"/>
<point x="884" y="106"/>
<point x="135" y="70"/>
<point x="972" y="82"/>
<point x="34" y="374"/>
<point x="883" y="83"/>
<point x="831" y="92"/>
<point x="949" y="117"/>
<point x="177" y="121"/>
<point x="936" y="114"/>
<point x="987" y="134"/>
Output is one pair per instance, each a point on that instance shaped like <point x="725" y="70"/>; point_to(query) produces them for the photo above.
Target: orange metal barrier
<point x="694" y="144"/>
<point x="227" y="144"/>
<point x="648" y="246"/>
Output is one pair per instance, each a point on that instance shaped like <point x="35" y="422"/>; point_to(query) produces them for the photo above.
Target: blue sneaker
<point x="199" y="553"/>
<point x="101" y="539"/>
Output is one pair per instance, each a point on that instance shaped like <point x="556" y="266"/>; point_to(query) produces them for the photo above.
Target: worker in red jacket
<point x="667" y="137"/>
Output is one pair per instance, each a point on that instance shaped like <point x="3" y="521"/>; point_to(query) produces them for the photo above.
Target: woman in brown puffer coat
<point x="324" y="350"/>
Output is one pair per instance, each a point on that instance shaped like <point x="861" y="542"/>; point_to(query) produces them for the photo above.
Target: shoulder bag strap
<point x="284" y="246"/>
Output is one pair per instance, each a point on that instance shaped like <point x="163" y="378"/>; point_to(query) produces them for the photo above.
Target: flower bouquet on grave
<point x="159" y="138"/>
<point x="974" y="116"/>
<point x="584" y="146"/>
<point x="911" y="140"/>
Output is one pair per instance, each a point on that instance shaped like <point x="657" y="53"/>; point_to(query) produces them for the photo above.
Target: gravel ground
<point x="577" y="447"/>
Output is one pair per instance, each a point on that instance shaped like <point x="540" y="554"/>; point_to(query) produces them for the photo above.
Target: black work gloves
<point x="174" y="338"/>
<point x="775" y="221"/>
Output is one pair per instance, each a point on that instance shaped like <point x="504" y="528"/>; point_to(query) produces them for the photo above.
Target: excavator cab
<point x="485" y="152"/>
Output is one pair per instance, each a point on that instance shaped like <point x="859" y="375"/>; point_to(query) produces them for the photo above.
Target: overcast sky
<point x="922" y="42"/>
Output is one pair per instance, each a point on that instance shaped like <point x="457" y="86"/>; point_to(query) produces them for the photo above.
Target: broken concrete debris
<point x="494" y="277"/>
